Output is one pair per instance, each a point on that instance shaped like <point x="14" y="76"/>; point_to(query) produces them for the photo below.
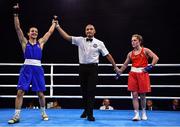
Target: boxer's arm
<point x="124" y="66"/>
<point x="154" y="58"/>
<point x="65" y="35"/>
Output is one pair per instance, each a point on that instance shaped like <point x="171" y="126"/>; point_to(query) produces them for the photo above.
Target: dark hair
<point x="32" y="27"/>
<point x="90" y="25"/>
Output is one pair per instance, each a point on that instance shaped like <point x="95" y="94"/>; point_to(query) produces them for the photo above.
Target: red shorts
<point x="139" y="82"/>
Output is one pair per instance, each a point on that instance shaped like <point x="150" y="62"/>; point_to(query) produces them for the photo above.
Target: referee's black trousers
<point x="88" y="79"/>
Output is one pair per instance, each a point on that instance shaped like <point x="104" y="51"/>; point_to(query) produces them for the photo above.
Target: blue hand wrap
<point x="148" y="68"/>
<point x="117" y="76"/>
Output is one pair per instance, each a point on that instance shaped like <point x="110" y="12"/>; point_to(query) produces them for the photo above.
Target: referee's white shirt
<point x="89" y="51"/>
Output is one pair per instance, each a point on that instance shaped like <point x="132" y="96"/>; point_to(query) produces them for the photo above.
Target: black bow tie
<point x="89" y="39"/>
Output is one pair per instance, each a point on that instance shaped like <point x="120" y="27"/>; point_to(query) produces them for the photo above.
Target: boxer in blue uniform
<point x="32" y="71"/>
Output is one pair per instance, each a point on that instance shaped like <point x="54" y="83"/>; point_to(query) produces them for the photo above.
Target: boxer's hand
<point x="118" y="73"/>
<point x="148" y="68"/>
<point x="16" y="9"/>
<point x="117" y="76"/>
<point x="55" y="20"/>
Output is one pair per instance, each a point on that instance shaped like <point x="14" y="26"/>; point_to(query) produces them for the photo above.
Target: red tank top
<point x="139" y="60"/>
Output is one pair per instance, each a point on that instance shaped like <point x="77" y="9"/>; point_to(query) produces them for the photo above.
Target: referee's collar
<point x="89" y="39"/>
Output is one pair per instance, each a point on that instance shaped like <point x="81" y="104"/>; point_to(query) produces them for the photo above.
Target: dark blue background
<point x="115" y="21"/>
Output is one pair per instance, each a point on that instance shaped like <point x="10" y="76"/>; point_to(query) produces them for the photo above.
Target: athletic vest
<point x="139" y="60"/>
<point x="33" y="51"/>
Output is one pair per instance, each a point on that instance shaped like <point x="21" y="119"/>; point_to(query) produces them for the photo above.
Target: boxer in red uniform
<point x="138" y="80"/>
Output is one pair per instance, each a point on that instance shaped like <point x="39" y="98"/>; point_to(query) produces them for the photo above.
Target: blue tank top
<point x="33" y="51"/>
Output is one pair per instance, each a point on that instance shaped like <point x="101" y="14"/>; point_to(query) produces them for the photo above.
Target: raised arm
<point x="45" y="38"/>
<point x="63" y="33"/>
<point x="19" y="32"/>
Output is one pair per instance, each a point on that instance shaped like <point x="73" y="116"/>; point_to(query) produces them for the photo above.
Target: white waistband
<point x="32" y="62"/>
<point x="135" y="69"/>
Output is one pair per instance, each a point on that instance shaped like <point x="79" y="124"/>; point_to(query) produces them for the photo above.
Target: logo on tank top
<point x="38" y="46"/>
<point x="95" y="45"/>
<point x="142" y="55"/>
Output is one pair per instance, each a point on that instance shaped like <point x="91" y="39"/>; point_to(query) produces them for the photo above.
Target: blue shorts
<point x="34" y="75"/>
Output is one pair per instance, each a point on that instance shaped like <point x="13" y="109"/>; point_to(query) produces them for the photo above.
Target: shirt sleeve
<point x="111" y="108"/>
<point x="77" y="40"/>
<point x="101" y="108"/>
<point x="103" y="49"/>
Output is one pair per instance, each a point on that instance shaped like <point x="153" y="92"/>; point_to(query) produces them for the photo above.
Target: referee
<point x="89" y="49"/>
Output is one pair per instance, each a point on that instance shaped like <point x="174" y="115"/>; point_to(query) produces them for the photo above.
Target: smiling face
<point x="90" y="31"/>
<point x="33" y="33"/>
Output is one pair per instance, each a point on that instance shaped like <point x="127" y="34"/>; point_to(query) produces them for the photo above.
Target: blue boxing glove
<point x="148" y="68"/>
<point x="117" y="76"/>
<point x="118" y="73"/>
